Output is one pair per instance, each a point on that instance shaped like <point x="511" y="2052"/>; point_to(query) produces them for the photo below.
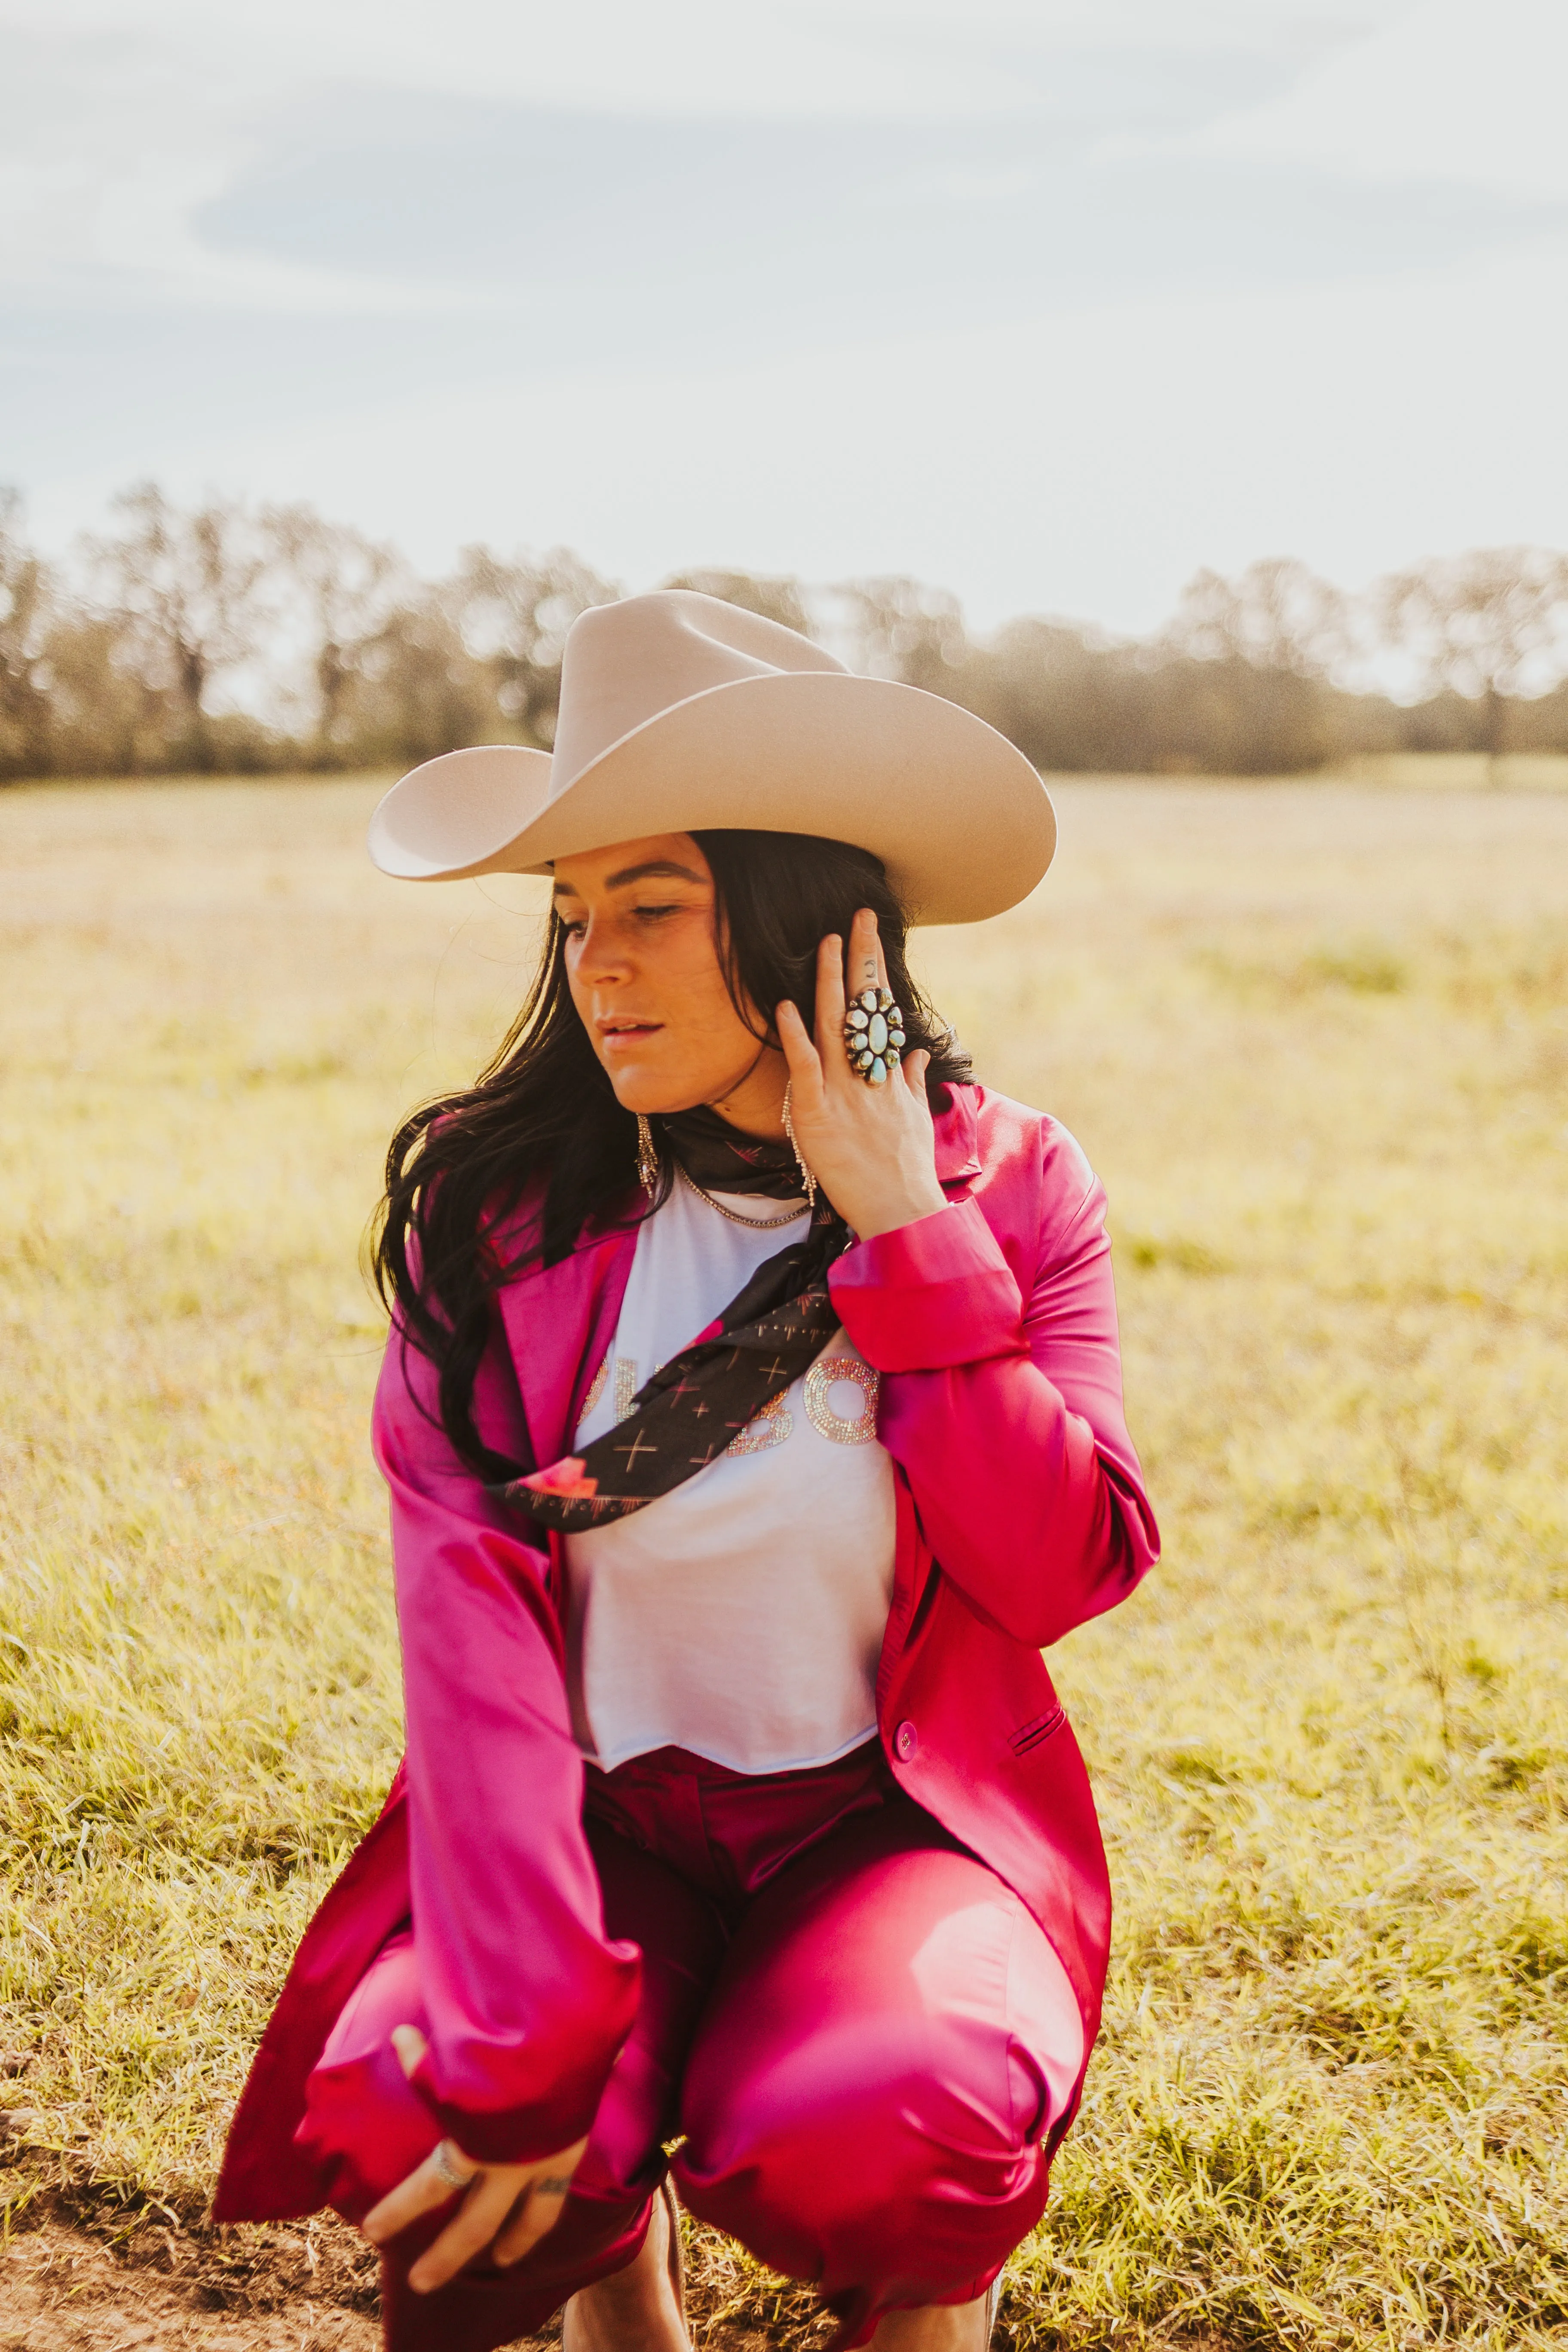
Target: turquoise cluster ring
<point x="874" y="1035"/>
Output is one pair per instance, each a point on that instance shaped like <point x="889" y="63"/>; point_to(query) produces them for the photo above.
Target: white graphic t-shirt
<point x="740" y="1616"/>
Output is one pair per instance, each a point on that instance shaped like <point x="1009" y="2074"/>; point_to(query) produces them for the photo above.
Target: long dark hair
<point x="544" y="1107"/>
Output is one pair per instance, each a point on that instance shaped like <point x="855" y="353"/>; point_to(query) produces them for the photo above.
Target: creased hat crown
<point x="626" y="663"/>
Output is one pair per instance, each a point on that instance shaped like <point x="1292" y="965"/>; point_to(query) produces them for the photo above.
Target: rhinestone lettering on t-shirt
<point x="818" y="1386"/>
<point x="773" y="1425"/>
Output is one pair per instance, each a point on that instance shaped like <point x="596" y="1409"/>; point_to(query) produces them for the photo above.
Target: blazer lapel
<point x="559" y="1319"/>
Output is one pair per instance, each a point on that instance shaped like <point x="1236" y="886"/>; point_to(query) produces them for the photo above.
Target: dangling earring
<point x="806" y="1176"/>
<point x="647" y="1157"/>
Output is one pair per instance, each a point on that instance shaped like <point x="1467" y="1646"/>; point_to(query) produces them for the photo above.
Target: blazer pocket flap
<point x="1029" y="1735"/>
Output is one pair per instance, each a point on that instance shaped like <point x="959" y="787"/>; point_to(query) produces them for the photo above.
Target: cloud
<point x="127" y="125"/>
<point x="1450" y="91"/>
<point x="110" y="153"/>
<point x="763" y="57"/>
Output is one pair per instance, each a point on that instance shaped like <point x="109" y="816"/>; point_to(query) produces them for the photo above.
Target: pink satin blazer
<point x="1021" y="1513"/>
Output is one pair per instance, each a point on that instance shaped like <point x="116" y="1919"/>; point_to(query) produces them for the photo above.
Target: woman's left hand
<point x="530" y="2194"/>
<point x="871" y="1148"/>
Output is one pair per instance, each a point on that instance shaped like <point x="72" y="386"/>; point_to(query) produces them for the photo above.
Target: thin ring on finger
<point x="451" y="2165"/>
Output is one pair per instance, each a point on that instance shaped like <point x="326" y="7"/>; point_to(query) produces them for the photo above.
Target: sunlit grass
<point x="1316" y="1039"/>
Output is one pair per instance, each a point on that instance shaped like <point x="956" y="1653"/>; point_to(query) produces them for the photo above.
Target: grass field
<point x="1315" y="1038"/>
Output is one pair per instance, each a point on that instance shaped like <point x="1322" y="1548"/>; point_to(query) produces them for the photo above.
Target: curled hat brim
<point x="956" y="812"/>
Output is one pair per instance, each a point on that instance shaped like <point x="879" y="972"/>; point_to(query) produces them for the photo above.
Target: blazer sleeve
<point x="528" y="2000"/>
<point x="1005" y="1415"/>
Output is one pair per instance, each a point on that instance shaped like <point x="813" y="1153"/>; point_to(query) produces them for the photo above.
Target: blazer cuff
<point x="508" y="2134"/>
<point x="926" y="1296"/>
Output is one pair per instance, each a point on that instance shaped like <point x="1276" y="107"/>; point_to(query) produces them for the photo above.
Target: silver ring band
<point x="445" y="2158"/>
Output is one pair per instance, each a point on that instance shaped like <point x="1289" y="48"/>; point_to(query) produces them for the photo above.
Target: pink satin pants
<point x="862" y="2034"/>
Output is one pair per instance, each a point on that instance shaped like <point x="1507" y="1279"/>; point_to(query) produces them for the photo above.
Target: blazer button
<point x="906" y="1739"/>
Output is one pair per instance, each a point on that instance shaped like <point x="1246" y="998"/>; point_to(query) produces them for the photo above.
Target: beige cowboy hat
<point x="679" y="712"/>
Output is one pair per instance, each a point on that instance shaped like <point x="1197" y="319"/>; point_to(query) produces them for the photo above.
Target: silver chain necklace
<point x="757" y="1225"/>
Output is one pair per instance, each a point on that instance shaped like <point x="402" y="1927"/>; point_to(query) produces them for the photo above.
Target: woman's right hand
<point x="871" y="1148"/>
<point x="530" y="2194"/>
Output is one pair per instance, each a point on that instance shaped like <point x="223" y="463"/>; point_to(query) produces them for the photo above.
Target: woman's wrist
<point x="889" y="1213"/>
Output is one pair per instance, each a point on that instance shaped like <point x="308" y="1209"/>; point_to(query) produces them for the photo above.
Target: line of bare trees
<point x="226" y="638"/>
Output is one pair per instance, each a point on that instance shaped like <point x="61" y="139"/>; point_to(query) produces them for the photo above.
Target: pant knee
<point x="870" y="2155"/>
<point x="919" y="2093"/>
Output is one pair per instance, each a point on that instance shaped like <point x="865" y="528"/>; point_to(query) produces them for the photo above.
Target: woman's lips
<point x="623" y="1035"/>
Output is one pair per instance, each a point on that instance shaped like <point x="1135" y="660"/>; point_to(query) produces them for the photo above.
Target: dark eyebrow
<point x="663" y="869"/>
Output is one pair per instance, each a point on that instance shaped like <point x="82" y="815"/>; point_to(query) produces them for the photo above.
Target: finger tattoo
<point x="556" y="2186"/>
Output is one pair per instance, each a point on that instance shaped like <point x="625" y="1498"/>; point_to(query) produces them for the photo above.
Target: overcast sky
<point x="1047" y="301"/>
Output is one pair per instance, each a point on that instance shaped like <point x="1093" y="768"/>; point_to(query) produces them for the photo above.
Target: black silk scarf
<point x="770" y="1333"/>
<point x="718" y="1159"/>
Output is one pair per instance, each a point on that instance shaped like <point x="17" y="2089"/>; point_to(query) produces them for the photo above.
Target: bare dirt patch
<point x="74" y="2283"/>
<point x="65" y="2288"/>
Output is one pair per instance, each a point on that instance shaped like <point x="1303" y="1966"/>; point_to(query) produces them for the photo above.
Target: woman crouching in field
<point x="752" y="1416"/>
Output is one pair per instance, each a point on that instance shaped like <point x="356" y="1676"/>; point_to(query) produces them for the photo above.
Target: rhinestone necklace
<point x="757" y="1225"/>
